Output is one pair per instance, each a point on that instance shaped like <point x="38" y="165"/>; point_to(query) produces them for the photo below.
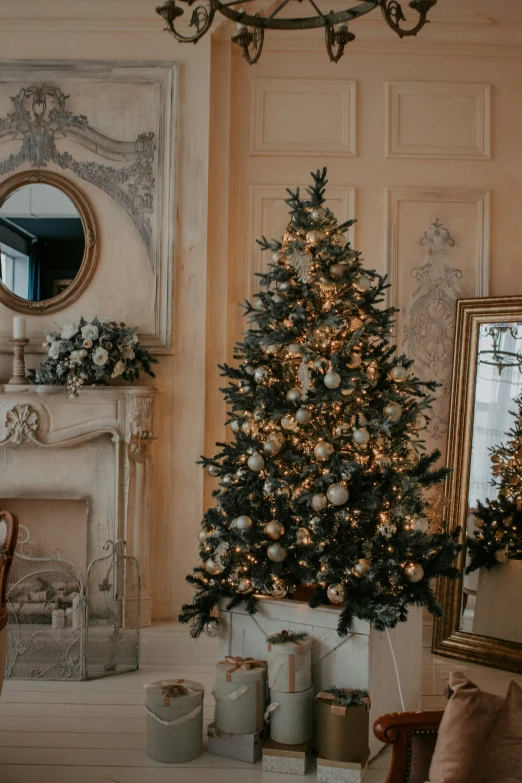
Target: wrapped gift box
<point x="342" y="731"/>
<point x="240" y="695"/>
<point x="174" y="721"/>
<point x="361" y="659"/>
<point x="290" y="665"/>
<point x="289" y="759"/>
<point x="243" y="747"/>
<point x="291" y="716"/>
<point x="341" y="771"/>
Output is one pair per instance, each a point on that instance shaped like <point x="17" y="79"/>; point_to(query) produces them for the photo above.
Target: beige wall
<point x="216" y="167"/>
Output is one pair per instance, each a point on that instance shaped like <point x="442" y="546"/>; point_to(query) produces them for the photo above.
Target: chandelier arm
<point x="306" y="23"/>
<point x="202" y="18"/>
<point x="393" y="14"/>
<point x="279" y="8"/>
<point x="336" y="40"/>
<point x="251" y="43"/>
<point x="318" y="11"/>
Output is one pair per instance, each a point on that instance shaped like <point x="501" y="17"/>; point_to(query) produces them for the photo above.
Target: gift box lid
<point x="289" y="646"/>
<point x="236" y="669"/>
<point x="182" y="693"/>
<point x="278" y="697"/>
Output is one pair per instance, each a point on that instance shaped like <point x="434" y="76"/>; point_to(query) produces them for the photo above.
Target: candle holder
<point x="19" y="361"/>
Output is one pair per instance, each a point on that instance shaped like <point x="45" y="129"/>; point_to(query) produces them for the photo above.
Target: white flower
<point x="68" y="331"/>
<point x="75" y="357"/>
<point x="90" y="332"/>
<point x="50" y="338"/>
<point x="87" y="343"/>
<point x="119" y="367"/>
<point x="127" y="352"/>
<point x="134" y="339"/>
<point x="55" y="349"/>
<point x="100" y="357"/>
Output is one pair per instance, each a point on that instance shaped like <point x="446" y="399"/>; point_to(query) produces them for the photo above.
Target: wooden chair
<point x="412" y="736"/>
<point x="8" y="538"/>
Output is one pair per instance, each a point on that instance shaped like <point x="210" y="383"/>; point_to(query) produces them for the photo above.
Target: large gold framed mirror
<point x="482" y="620"/>
<point x="48" y="242"/>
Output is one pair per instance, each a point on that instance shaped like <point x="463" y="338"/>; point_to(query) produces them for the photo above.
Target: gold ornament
<point x="337" y="494"/>
<point x="213" y="567"/>
<point x="303" y="537"/>
<point x="398" y="373"/>
<point x="277" y="552"/>
<point x="319" y="501"/>
<point x="354" y="361"/>
<point x="303" y="416"/>
<point x="279" y="590"/>
<point x="293" y="395"/>
<point x="502" y="555"/>
<point x="314" y="237"/>
<point x="335" y="593"/>
<point x="413" y="572"/>
<point x="274" y="530"/>
<point x="323" y="450"/>
<point x="362" y="568"/>
<point x="211" y="627"/>
<point x="244" y="586"/>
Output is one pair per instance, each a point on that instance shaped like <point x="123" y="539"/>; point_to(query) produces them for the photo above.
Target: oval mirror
<point x="47" y="242"/>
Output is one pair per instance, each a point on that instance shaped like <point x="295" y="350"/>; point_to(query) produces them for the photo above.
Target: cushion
<point x="501" y="759"/>
<point x="466" y="726"/>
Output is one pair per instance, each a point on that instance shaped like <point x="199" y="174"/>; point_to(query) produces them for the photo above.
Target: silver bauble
<point x="332" y="380"/>
<point x="318" y="213"/>
<point x="203" y="535"/>
<point x="245" y="427"/>
<point x="392" y="411"/>
<point x="362" y="568"/>
<point x="339" y="240"/>
<point x="213" y="470"/>
<point x="288" y="422"/>
<point x="213" y="567"/>
<point x="398" y="373"/>
<point x="293" y="395"/>
<point x="211" y="627"/>
<point x="227" y="480"/>
<point x="244" y="586"/>
<point x="278" y="298"/>
<point x="274" y="529"/>
<point x="420" y="422"/>
<point x="413" y="572"/>
<point x="361" y="436"/>
<point x="295" y="349"/>
<point x="272" y="447"/>
<point x="285" y="285"/>
<point x="335" y="593"/>
<point x="319" y="501"/>
<point x="245" y="387"/>
<point x="323" y="450"/>
<point x="383" y="461"/>
<point x="337" y="494"/>
<point x="270" y="348"/>
<point x="422" y="524"/>
<point x="259" y="305"/>
<point x="362" y="283"/>
<point x="302" y="537"/>
<point x="277" y="552"/>
<point x="235" y="425"/>
<point x="249" y="369"/>
<point x="243" y="522"/>
<point x="314" y="237"/>
<point x="348" y="390"/>
<point x="260" y="373"/>
<point x="277" y="256"/>
<point x="279" y="590"/>
<point x="337" y="270"/>
<point x="354" y="361"/>
<point x="501" y="556"/>
<point x="321" y="363"/>
<point x="256" y="462"/>
<point x="303" y="416"/>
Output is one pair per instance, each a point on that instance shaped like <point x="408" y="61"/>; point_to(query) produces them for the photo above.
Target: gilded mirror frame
<point x="90" y="255"/>
<point x="448" y="640"/>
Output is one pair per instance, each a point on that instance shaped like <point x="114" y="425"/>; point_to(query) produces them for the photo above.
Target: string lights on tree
<point x="323" y="477"/>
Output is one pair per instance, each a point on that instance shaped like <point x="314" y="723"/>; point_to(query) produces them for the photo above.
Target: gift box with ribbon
<point x="290" y="716"/>
<point x="240" y="695"/>
<point x="289" y="662"/>
<point x="342" y="728"/>
<point x="174" y="720"/>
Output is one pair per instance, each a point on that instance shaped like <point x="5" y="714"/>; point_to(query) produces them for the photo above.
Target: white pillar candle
<point x="18" y="327"/>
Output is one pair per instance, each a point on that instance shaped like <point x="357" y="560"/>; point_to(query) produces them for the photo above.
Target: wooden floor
<point x="94" y="732"/>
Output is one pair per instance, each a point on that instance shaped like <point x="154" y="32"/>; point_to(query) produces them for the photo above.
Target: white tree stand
<point x="361" y="660"/>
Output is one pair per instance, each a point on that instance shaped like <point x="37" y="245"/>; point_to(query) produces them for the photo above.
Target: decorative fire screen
<point x="57" y="630"/>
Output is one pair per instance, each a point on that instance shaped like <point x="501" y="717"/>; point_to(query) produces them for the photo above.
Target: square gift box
<point x="243" y="747"/>
<point x="289" y="759"/>
<point x="341" y="771"/>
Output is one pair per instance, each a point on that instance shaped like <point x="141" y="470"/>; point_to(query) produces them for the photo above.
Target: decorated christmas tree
<point x="499" y="521"/>
<point x="323" y="480"/>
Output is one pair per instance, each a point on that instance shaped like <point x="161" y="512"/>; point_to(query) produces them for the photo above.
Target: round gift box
<point x="290" y="716"/>
<point x="240" y="696"/>
<point x="174" y="722"/>
<point x="290" y="666"/>
<point x="342" y="732"/>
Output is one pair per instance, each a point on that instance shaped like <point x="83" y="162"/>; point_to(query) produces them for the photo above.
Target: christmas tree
<point x="323" y="480"/>
<point x="499" y="521"/>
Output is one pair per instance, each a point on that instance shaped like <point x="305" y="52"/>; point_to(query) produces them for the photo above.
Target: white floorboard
<point x="94" y="732"/>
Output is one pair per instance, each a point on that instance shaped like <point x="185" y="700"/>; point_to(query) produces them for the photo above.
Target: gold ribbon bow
<point x="340" y="709"/>
<point x="242" y="663"/>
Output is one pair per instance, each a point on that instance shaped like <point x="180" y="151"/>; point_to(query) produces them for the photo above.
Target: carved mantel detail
<point x="21" y="425"/>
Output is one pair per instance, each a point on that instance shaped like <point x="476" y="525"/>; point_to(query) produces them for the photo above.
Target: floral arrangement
<point x="92" y="352"/>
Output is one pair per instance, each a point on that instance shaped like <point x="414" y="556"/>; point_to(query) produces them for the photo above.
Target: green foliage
<point x="348" y="697"/>
<point x="320" y="313"/>
<point x="286" y="636"/>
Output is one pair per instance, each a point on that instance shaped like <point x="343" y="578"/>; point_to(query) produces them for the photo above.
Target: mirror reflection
<point x="42" y="242"/>
<point x="492" y="594"/>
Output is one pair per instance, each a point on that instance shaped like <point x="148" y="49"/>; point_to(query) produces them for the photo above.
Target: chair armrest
<point x="412" y="736"/>
<point x="6" y="558"/>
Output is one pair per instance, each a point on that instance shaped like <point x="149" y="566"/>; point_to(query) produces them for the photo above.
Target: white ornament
<point x="235" y="425"/>
<point x="245" y="427"/>
<point x="393" y="411"/>
<point x="335" y="593"/>
<point x="422" y="524"/>
<point x="213" y="470"/>
<point x="362" y="283"/>
<point x="295" y="349"/>
<point x="337" y="494"/>
<point x="243" y="522"/>
<point x="213" y="567"/>
<point x="277" y="552"/>
<point x="413" y="572"/>
<point x="288" y="422"/>
<point x="319" y="501"/>
<point x="256" y="462"/>
<point x="303" y="416"/>
<point x="278" y="298"/>
<point x="323" y="451"/>
<point x="274" y="529"/>
<point x="259" y="305"/>
<point x="203" y="535"/>
<point x="293" y="395"/>
<point x="361" y="436"/>
<point x="260" y="373"/>
<point x="211" y="627"/>
<point x="332" y="380"/>
<point x="398" y="373"/>
<point x="249" y="369"/>
<point x="354" y="361"/>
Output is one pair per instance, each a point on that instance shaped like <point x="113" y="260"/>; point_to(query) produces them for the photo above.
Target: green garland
<point x="287" y="636"/>
<point x="348" y="698"/>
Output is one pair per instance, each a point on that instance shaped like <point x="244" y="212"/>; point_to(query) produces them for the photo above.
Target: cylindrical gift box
<point x="342" y="732"/>
<point x="290" y="716"/>
<point x="290" y="666"/>
<point x="174" y="721"/>
<point x="240" y="695"/>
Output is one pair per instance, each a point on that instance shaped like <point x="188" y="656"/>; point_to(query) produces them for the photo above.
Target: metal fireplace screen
<point x="59" y="630"/>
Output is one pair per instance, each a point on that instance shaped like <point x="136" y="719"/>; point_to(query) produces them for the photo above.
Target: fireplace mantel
<point x="37" y="420"/>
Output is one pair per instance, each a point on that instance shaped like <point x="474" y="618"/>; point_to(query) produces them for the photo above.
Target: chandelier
<point x="498" y="356"/>
<point x="251" y="26"/>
